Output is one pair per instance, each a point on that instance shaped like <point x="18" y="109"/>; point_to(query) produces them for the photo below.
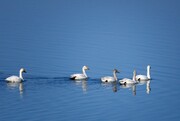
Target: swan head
<point x="116" y="71"/>
<point x="22" y="70"/>
<point x="148" y="67"/>
<point x="85" y="67"/>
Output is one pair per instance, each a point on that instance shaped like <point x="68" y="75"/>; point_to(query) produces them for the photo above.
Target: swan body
<point x="16" y="79"/>
<point x="80" y="76"/>
<point x="110" y="78"/>
<point x="127" y="81"/>
<point x="144" y="77"/>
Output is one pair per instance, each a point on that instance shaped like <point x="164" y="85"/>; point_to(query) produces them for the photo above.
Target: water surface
<point x="54" y="39"/>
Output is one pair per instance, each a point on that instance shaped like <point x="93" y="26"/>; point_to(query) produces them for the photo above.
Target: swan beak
<point x="117" y="71"/>
<point x="24" y="71"/>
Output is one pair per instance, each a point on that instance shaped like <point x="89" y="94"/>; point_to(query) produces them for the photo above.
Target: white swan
<point x="110" y="78"/>
<point x="144" y="77"/>
<point x="80" y="76"/>
<point x="127" y="81"/>
<point x="16" y="78"/>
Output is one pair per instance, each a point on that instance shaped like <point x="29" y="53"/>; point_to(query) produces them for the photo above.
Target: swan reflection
<point x="15" y="86"/>
<point x="147" y="83"/>
<point x="114" y="88"/>
<point x="21" y="88"/>
<point x="112" y="85"/>
<point x="148" y="88"/>
<point x="83" y="84"/>
<point x="128" y="86"/>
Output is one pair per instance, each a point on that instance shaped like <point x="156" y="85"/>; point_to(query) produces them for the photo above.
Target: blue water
<point x="54" y="39"/>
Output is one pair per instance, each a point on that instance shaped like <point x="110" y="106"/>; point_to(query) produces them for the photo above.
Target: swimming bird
<point x="144" y="77"/>
<point x="16" y="78"/>
<point x="110" y="78"/>
<point x="80" y="76"/>
<point x="127" y="81"/>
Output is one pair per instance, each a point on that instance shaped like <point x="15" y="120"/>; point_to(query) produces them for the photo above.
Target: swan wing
<point x="78" y="76"/>
<point x="13" y="79"/>
<point x="123" y="81"/>
<point x="127" y="81"/>
<point x="141" y="77"/>
<point x="107" y="79"/>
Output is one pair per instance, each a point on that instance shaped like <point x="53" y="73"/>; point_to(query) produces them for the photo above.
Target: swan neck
<point x="115" y="77"/>
<point x="84" y="72"/>
<point x="20" y="75"/>
<point x="148" y="73"/>
<point x="134" y="77"/>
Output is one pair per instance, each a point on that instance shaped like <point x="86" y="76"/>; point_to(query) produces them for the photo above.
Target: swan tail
<point x="73" y="78"/>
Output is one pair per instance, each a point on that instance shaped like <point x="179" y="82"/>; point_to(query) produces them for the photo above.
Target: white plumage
<point x="16" y="78"/>
<point x="110" y="78"/>
<point x="144" y="77"/>
<point x="80" y="76"/>
<point x="126" y="81"/>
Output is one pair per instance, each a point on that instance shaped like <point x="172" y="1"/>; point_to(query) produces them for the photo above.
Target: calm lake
<point x="54" y="39"/>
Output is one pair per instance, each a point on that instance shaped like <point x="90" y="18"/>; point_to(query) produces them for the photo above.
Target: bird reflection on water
<point x="15" y="86"/>
<point x="148" y="88"/>
<point x="82" y="83"/>
<point x="134" y="86"/>
<point x="113" y="85"/>
<point x="130" y="86"/>
<point x="147" y="83"/>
